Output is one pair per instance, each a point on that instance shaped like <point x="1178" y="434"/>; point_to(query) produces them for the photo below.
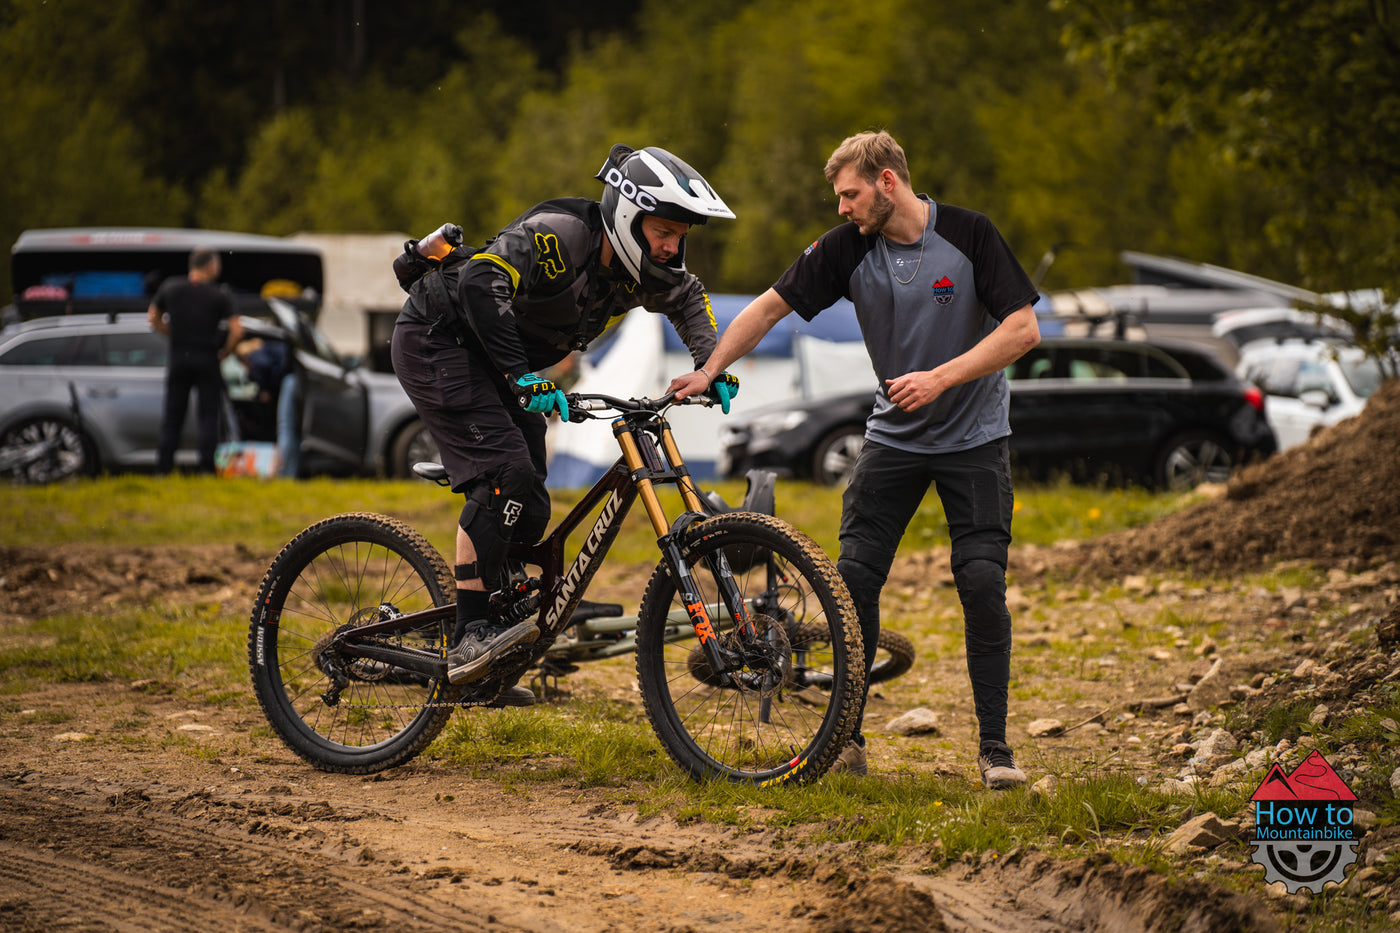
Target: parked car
<point x="1247" y="326"/>
<point x="1308" y="384"/>
<point x="81" y="394"/>
<point x="1163" y="413"/>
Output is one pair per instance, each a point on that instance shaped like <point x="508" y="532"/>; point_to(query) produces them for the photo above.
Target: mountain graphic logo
<point x="1314" y="779"/>
<point x="943" y="290"/>
<point x="1303" y="830"/>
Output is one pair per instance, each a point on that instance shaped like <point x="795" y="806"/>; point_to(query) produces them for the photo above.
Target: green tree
<point x="1303" y="93"/>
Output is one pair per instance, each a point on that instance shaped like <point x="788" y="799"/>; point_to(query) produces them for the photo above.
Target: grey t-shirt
<point x="920" y="306"/>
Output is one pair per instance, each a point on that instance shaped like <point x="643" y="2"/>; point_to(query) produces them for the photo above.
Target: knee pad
<point x="982" y="589"/>
<point x="864" y="581"/>
<point x="495" y="514"/>
<point x="512" y="484"/>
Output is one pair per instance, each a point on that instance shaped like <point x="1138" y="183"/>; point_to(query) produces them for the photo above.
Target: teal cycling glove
<point x="541" y="395"/>
<point x="723" y="388"/>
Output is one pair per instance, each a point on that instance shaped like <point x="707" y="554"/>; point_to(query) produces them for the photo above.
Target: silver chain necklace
<point x="922" y="242"/>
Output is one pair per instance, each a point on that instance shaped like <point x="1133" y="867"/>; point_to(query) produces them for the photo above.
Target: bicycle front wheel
<point x="762" y="723"/>
<point x="345" y="571"/>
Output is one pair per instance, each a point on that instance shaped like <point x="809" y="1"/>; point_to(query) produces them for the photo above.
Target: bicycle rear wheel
<point x="344" y="571"/>
<point x="762" y="725"/>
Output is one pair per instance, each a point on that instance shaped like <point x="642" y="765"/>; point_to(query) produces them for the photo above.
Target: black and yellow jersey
<point x="537" y="290"/>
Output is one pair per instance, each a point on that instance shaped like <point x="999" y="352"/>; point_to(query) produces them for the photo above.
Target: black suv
<point x="1163" y="413"/>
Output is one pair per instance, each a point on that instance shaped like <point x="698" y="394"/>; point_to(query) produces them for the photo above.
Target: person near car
<point x="191" y="310"/>
<point x="480" y="324"/>
<point x="271" y="368"/>
<point x="943" y="306"/>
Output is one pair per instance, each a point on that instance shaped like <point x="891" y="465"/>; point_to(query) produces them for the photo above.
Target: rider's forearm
<point x="746" y="330"/>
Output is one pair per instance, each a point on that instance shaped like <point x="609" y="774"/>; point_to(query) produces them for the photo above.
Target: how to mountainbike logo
<point x="943" y="290"/>
<point x="1303" y="833"/>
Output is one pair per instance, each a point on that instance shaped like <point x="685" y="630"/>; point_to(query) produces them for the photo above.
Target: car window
<point x="1111" y="364"/>
<point x="1199" y="367"/>
<point x="134" y="349"/>
<point x="41" y="351"/>
<point x="1312" y="377"/>
<point x="1277" y="377"/>
<point x="1364" y="376"/>
<point x="1034" y="364"/>
<point x="87" y="351"/>
<point x="1159" y="365"/>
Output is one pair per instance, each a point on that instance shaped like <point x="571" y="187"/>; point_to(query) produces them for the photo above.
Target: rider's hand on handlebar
<point x="690" y="384"/>
<point x="541" y="395"/>
<point x="723" y="389"/>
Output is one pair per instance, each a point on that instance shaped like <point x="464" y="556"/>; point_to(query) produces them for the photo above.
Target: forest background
<point x="1261" y="135"/>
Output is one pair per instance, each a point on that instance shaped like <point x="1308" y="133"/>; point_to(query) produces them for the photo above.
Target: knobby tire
<point x="336" y="572"/>
<point x="758" y="731"/>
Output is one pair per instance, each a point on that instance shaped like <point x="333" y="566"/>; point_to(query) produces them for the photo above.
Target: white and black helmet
<point x="652" y="181"/>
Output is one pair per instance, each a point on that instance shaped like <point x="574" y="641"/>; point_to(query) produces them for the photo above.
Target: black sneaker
<point x="998" y="767"/>
<point x="513" y="696"/>
<point x="482" y="645"/>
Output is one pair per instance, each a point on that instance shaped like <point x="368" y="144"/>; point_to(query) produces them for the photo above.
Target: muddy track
<point x="244" y="852"/>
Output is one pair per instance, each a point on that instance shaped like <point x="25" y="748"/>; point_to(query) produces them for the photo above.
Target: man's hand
<point x="913" y="391"/>
<point x="541" y="395"/>
<point x="688" y="385"/>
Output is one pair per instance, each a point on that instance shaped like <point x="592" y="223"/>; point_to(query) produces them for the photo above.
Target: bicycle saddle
<point x="435" y="472"/>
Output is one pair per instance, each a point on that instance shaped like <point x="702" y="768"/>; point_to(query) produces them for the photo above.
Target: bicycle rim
<point x="349" y="570"/>
<point x="766" y="723"/>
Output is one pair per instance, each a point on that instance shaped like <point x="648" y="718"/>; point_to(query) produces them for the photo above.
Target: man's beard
<point x="881" y="210"/>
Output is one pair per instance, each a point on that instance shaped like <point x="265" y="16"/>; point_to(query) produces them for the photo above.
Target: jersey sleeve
<point x="821" y="276"/>
<point x="1002" y="284"/>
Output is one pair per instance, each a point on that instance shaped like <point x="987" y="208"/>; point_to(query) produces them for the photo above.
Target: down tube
<point x="562" y="589"/>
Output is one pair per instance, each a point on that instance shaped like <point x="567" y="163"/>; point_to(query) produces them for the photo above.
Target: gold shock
<point x="632" y="456"/>
<point x="689" y="494"/>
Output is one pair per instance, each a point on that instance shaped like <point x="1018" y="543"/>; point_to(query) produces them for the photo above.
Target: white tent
<point x="797" y="359"/>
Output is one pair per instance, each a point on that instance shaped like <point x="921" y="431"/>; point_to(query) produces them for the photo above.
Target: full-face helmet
<point x="652" y="181"/>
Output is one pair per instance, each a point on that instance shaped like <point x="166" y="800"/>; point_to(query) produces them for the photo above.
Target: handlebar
<point x="581" y="403"/>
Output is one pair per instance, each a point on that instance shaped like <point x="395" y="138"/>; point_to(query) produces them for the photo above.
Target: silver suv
<point x="82" y="394"/>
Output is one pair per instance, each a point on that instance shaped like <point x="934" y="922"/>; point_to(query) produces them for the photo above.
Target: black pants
<point x="473" y="416"/>
<point x="975" y="488"/>
<point x="186" y="371"/>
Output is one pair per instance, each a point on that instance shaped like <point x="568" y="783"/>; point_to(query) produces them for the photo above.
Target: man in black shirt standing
<point x="943" y="306"/>
<point x="189" y="310"/>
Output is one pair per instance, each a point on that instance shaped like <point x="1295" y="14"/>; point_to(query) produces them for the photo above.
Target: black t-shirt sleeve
<point x="821" y="276"/>
<point x="1002" y="285"/>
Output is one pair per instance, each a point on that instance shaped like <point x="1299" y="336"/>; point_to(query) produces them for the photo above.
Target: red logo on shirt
<point x="943" y="290"/>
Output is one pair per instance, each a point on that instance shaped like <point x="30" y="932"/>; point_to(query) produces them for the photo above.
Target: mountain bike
<point x="598" y="631"/>
<point x="353" y="620"/>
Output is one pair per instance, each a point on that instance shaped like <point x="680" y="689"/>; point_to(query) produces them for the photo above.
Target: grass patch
<point x="596" y="743"/>
<point x="147" y="511"/>
<point x="194" y="645"/>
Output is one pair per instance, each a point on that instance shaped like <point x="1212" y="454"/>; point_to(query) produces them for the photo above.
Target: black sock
<point x="471" y="607"/>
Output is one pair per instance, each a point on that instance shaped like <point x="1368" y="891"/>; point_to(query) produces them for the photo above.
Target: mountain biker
<point x="480" y="324"/>
<point x="943" y="306"/>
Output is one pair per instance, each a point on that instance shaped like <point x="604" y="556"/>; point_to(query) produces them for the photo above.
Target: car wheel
<point x="836" y="455"/>
<point x="413" y="444"/>
<point x="45" y="450"/>
<point x="1193" y="458"/>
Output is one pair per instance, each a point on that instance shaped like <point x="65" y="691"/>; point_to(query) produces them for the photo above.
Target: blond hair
<point x="871" y="153"/>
